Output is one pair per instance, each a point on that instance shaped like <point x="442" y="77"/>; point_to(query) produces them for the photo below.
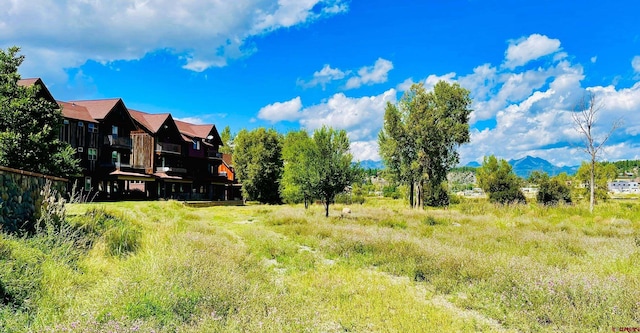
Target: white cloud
<point x="635" y="63"/>
<point x="207" y="33"/>
<point x="405" y="85"/>
<point x="365" y="150"/>
<point x="432" y="79"/>
<point x="193" y="120"/>
<point x="533" y="47"/>
<point x="324" y="76"/>
<point x="361" y="117"/>
<point x="279" y="111"/>
<point x="594" y="59"/>
<point x="371" y="75"/>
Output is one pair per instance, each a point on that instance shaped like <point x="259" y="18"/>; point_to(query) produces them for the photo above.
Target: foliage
<point x="257" y="160"/>
<point x="29" y="125"/>
<point x="420" y="136"/>
<point x="391" y="191"/>
<point x="332" y="164"/>
<point x="551" y="191"/>
<point x="299" y="175"/>
<point x="227" y="140"/>
<point x="603" y="174"/>
<point x="496" y="178"/>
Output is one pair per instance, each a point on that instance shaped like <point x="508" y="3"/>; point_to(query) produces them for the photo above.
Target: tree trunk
<point x="411" y="194"/>
<point x="326" y="207"/>
<point x="592" y="185"/>
<point x="306" y="202"/>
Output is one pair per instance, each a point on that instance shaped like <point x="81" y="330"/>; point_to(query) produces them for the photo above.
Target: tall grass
<point x="164" y="267"/>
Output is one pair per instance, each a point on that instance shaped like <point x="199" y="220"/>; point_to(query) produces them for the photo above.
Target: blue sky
<point x="289" y="64"/>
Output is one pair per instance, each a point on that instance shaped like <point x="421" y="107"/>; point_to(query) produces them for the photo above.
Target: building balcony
<point x="117" y="142"/>
<point x="214" y="155"/>
<point x="171" y="169"/>
<point x="170" y="148"/>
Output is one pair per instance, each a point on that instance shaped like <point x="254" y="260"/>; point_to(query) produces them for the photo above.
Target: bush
<point x="348" y="199"/>
<point x="391" y="191"/>
<point x="497" y="179"/>
<point x="436" y="195"/>
<point x="553" y="191"/>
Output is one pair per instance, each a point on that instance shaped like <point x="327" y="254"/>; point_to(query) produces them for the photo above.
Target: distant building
<point x="623" y="186"/>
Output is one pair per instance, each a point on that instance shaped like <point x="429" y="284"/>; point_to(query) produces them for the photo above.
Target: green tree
<point x="420" y="137"/>
<point x="603" y="173"/>
<point x="499" y="182"/>
<point x="551" y="190"/>
<point x="299" y="174"/>
<point x="227" y="140"/>
<point x="258" y="164"/>
<point x="332" y="164"/>
<point x="29" y="126"/>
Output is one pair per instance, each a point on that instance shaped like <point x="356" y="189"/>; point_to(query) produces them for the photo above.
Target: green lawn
<point x="163" y="267"/>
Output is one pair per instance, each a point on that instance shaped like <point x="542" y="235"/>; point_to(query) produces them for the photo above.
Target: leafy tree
<point x="299" y="175"/>
<point x="227" y="139"/>
<point x="551" y="191"/>
<point x="258" y="163"/>
<point x="497" y="179"/>
<point x="29" y="125"/>
<point x="602" y="174"/>
<point x="585" y="121"/>
<point x="332" y="164"/>
<point x="420" y="136"/>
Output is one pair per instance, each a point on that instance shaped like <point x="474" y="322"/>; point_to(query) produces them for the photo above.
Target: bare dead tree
<point x="584" y="120"/>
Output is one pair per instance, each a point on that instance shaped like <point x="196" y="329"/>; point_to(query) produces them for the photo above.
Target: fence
<point x="21" y="198"/>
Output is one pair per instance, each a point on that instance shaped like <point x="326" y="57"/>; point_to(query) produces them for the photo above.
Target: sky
<point x="291" y="64"/>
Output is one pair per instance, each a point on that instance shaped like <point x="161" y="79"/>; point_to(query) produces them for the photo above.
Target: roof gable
<point x="205" y="131"/>
<point x="100" y="108"/>
<point x="43" y="92"/>
<point x="74" y="111"/>
<point x="151" y="122"/>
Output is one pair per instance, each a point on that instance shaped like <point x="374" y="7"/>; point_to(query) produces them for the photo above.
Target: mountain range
<point x="521" y="167"/>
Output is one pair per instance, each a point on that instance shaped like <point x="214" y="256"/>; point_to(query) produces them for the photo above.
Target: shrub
<point x="391" y="191"/>
<point x="497" y="179"/>
<point x="552" y="191"/>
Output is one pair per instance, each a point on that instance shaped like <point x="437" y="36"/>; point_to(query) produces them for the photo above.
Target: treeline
<point x="500" y="183"/>
<point x="295" y="167"/>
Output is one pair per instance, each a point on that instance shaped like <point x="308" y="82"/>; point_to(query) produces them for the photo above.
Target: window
<point x="80" y="134"/>
<point x="93" y="154"/>
<point x="114" y="157"/>
<point x="93" y="128"/>
<point x="65" y="134"/>
<point x="196" y="144"/>
<point x="114" y="131"/>
<point x="87" y="184"/>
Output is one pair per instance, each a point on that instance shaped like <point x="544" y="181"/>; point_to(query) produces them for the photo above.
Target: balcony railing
<point x="214" y="155"/>
<point x="116" y="141"/>
<point x="171" y="148"/>
<point x="171" y="169"/>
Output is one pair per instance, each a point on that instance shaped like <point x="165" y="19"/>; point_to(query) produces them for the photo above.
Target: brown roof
<point x="100" y="108"/>
<point x="198" y="131"/>
<point x="74" y="111"/>
<point x="27" y="82"/>
<point x="193" y="130"/>
<point x="151" y="122"/>
<point x="44" y="91"/>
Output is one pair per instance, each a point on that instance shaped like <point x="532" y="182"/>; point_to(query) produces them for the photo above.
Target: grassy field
<point x="163" y="267"/>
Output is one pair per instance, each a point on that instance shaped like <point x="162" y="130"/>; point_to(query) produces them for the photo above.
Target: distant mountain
<point x="370" y="164"/>
<point x="473" y="164"/>
<point x="523" y="167"/>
